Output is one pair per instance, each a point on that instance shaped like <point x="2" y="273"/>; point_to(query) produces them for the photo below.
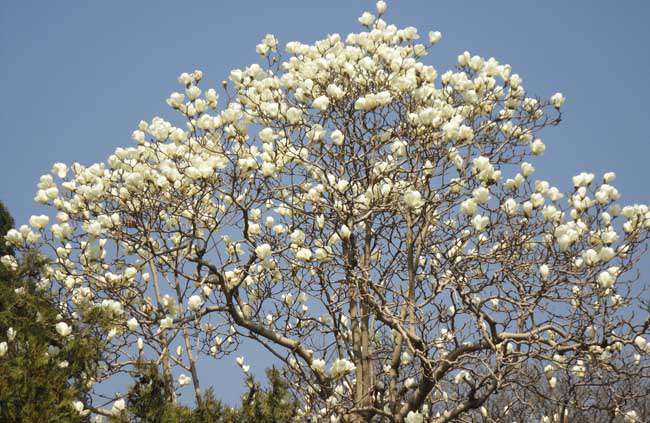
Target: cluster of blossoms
<point x="371" y="222"/>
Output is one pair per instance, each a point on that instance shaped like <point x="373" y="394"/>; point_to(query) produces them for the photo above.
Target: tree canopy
<point x="373" y="223"/>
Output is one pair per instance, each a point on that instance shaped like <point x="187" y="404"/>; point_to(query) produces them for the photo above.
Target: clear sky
<point x="76" y="77"/>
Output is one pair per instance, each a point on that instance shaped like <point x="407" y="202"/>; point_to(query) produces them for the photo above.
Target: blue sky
<point x="76" y="77"/>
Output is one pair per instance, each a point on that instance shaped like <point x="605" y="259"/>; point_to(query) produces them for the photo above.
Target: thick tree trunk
<point x="164" y="359"/>
<point x="188" y="350"/>
<point x="360" y="339"/>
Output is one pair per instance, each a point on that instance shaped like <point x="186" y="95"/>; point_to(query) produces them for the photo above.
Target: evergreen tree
<point x="149" y="401"/>
<point x="6" y="223"/>
<point x="42" y="377"/>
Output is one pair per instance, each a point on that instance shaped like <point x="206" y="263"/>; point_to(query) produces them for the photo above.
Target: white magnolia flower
<point x="94" y="228"/>
<point x="39" y="222"/>
<point x="606" y="254"/>
<point x="60" y="170"/>
<point x="398" y="148"/>
<point x="268" y="169"/>
<point x="366" y="19"/>
<point x="166" y="323"/>
<point x="606" y="279"/>
<point x="413" y="199"/>
<point x="341" y="366"/>
<point x="405" y="358"/>
<point x="132" y="324"/>
<point x="461" y="376"/>
<point x="510" y="206"/>
<point x="345" y="232"/>
<point x="184" y="380"/>
<point x="481" y="195"/>
<point x="337" y="137"/>
<point x="321" y="254"/>
<point x="263" y="251"/>
<point x="193" y="92"/>
<point x="79" y="407"/>
<point x="3" y="348"/>
<point x="468" y="207"/>
<point x="548" y="370"/>
<point x="527" y="169"/>
<point x="211" y="96"/>
<point x="297" y="237"/>
<point x="583" y="179"/>
<point x="304" y="254"/>
<point x="557" y="100"/>
<point x="609" y="177"/>
<point x="294" y="115"/>
<point x="590" y="257"/>
<point x="185" y="79"/>
<point x="14" y="237"/>
<point x="631" y="417"/>
<point x="544" y="271"/>
<point x="318" y="365"/>
<point x="414" y="417"/>
<point x="118" y="406"/>
<point x="9" y="262"/>
<point x="537" y="147"/>
<point x="287" y="298"/>
<point x="480" y="222"/>
<point x="195" y="302"/>
<point x="434" y="37"/>
<point x="321" y="103"/>
<point x="63" y="329"/>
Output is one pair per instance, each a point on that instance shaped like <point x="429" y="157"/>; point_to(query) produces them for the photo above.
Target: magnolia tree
<point x="373" y="224"/>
